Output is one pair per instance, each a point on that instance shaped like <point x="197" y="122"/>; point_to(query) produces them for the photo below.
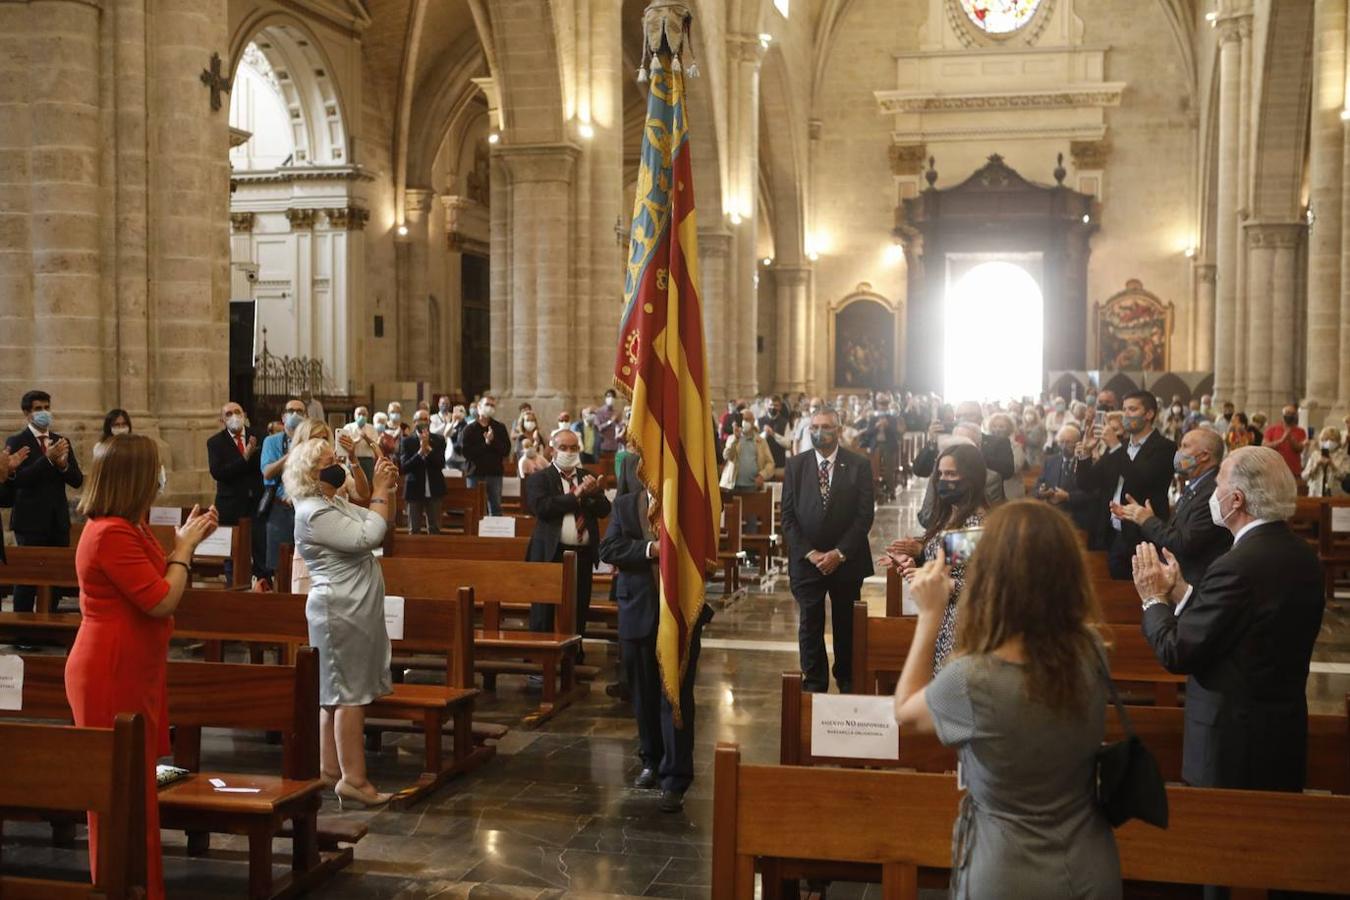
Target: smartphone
<point x="959" y="545"/>
<point x="1099" y="420"/>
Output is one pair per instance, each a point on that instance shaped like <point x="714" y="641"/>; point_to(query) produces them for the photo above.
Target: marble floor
<point x="553" y="815"/>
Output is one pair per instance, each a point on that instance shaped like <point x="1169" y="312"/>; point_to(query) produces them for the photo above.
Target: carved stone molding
<point x="301" y="219"/>
<point x="1090" y="154"/>
<point x="907" y="159"/>
<point x="1233" y="27"/>
<point x="538" y="162"/>
<point x="1274" y="234"/>
<point x="303" y="173"/>
<point x="746" y="48"/>
<point x="241" y="222"/>
<point x="1205" y="273"/>
<point x="350" y="218"/>
<point x="1104" y="95"/>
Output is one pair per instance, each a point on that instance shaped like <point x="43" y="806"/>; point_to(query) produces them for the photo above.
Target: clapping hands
<point x="198" y="526"/>
<point x="386" y="474"/>
<point x="11" y="461"/>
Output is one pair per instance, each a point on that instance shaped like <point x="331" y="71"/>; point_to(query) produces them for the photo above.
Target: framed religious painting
<point x="864" y="343"/>
<point x="1133" y="331"/>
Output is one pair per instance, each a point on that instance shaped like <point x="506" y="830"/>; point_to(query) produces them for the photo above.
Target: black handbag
<point x="1129" y="784"/>
<point x="269" y="496"/>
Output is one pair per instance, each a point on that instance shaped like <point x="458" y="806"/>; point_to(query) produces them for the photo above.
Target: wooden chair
<point x="430" y="625"/>
<point x="75" y="770"/>
<point x="896" y="828"/>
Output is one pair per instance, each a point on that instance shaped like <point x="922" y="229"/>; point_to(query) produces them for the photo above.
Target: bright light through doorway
<point x="993" y="334"/>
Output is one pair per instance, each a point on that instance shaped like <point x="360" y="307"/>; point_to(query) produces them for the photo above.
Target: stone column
<point x="1287" y="239"/>
<point x="744" y="55"/>
<point x="1258" y="340"/>
<point x="190" y="253"/>
<point x="719" y="323"/>
<point x="1325" y="159"/>
<point x="539" y="276"/>
<point x="415" y="346"/>
<point x="501" y="320"/>
<point x="1244" y="181"/>
<point x="1225" y="309"/>
<point x="793" y="310"/>
<point x="1203" y="338"/>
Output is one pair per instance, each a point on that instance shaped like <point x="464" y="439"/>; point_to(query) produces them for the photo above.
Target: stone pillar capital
<point x="1234" y="26"/>
<point x="1205" y="272"/>
<point x="715" y="243"/>
<point x="417" y="202"/>
<point x="538" y="162"/>
<point x="746" y="48"/>
<point x="1273" y="234"/>
<point x="791" y="276"/>
<point x="350" y="218"/>
<point x="301" y="219"/>
<point x="241" y="222"/>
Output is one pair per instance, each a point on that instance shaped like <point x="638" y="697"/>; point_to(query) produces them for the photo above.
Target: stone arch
<point x="443" y="115"/>
<point x="306" y="80"/>
<point x="1283" y="117"/>
<point x="529" y="71"/>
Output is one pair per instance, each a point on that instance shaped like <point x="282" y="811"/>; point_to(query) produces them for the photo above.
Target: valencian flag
<point x="661" y="364"/>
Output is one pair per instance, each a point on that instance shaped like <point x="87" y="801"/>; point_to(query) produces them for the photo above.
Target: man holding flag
<point x="665" y="546"/>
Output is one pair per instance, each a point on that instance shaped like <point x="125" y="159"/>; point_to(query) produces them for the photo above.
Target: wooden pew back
<point x="494" y="584"/>
<point x="455" y="546"/>
<point x="899" y="821"/>
<point x="55" y="767"/>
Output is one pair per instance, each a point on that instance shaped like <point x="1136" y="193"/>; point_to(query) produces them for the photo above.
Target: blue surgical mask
<point x="43" y="419"/>
<point x="360" y="421"/>
<point x="292" y="420"/>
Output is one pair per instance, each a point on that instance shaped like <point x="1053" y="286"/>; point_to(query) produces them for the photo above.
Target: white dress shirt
<point x="1132" y="448"/>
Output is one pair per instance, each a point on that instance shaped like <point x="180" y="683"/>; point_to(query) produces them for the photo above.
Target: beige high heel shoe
<point x="329" y="781"/>
<point x="345" y="794"/>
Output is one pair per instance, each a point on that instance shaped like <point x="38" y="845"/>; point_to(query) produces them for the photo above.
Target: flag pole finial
<point x="667" y="26"/>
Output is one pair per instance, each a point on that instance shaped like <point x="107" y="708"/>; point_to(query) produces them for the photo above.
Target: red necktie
<point x="582" y="536"/>
<point x="42" y="444"/>
<point x="239" y="442"/>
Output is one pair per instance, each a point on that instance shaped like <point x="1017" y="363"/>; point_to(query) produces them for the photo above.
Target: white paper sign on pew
<point x="854" y="726"/>
<point x="497" y="526"/>
<point x="1340" y="518"/>
<point x="393" y="617"/>
<point x="166" y="515"/>
<point x="510" y="487"/>
<point x="11" y="682"/>
<point x="218" y="543"/>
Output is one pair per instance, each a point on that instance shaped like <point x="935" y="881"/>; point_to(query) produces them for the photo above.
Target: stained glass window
<point x="1000" y="16"/>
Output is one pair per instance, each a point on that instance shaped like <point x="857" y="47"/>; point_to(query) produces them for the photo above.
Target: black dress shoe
<point x="671" y="801"/>
<point x="646" y="778"/>
<point x="845" y="688"/>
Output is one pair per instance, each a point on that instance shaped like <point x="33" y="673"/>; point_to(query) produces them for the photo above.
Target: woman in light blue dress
<point x="1023" y="701"/>
<point x="345" y="608"/>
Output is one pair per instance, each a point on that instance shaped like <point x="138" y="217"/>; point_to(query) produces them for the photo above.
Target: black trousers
<point x="661" y="744"/>
<point x="542" y="615"/>
<point x="25" y="595"/>
<point x="1120" y="554"/>
<point x="257" y="536"/>
<point x="810" y="590"/>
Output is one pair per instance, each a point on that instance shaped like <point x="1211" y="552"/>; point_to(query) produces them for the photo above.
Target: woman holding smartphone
<point x="961" y="504"/>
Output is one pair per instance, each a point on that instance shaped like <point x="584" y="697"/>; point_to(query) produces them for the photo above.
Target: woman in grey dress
<point x="345" y="607"/>
<point x="1023" y="701"/>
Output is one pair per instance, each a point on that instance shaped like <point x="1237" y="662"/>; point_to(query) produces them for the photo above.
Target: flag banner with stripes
<point x="661" y="365"/>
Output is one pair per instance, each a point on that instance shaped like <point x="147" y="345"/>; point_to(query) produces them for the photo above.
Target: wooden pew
<point x="462" y="507"/>
<point x="224" y="695"/>
<point x="888" y="826"/>
<point x="76" y="770"/>
<point x="880" y="645"/>
<point x="1159" y="727"/>
<point x="241" y="549"/>
<point x="1333" y="546"/>
<point x="495" y="585"/>
<point x="729" y="551"/>
<point x="765" y="538"/>
<point x="43" y="567"/>
<point x="1119" y="602"/>
<point x="431" y="625"/>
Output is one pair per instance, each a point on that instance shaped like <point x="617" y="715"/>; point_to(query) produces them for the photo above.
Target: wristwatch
<point x="1151" y="602"/>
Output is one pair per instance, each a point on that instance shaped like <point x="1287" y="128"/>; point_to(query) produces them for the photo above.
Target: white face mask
<point x="486" y="411"/>
<point x="121" y="429"/>
<point x="235" y="424"/>
<point x="1216" y="511"/>
<point x="566" y="459"/>
<point x="1326" y="445"/>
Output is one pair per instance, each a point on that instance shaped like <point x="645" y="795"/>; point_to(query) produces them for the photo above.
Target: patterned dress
<point x="946" y="638"/>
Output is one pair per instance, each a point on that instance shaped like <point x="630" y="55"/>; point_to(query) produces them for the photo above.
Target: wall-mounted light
<point x="735" y="218"/>
<point x="1190" y="252"/>
<point x="1087" y="219"/>
<point x="765" y="39"/>
<point x="1211" y="17"/>
<point x="586" y="130"/>
<point x="1345" y="115"/>
<point x="494" y="138"/>
<point x="767" y="261"/>
<point x="403" y="231"/>
<point x="812" y="255"/>
<point x="894" y="253"/>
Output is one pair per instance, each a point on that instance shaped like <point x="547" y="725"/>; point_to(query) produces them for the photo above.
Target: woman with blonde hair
<point x="1328" y="465"/>
<point x="354" y="487"/>
<point x="1023" y="701"/>
<point x="128" y="594"/>
<point x="345" y="608"/>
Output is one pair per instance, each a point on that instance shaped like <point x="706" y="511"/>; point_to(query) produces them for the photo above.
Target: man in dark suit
<point x="232" y="454"/>
<point x="1244" y="635"/>
<point x="8" y="463"/>
<point x="568" y="503"/>
<point x="667" y="752"/>
<point x="827" y="510"/>
<point x="1058" y="482"/>
<point x="422" y="455"/>
<point x="1140" y="467"/>
<point x="41" y="515"/>
<point x="486" y="445"/>
<point x="1191" y="534"/>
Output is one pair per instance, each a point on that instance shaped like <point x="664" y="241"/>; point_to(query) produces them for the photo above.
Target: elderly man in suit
<point x="41" y="516"/>
<point x="1058" y="482"/>
<point x="632" y="545"/>
<point x="422" y="455"/>
<point x="1244" y="635"/>
<point x="827" y="510"/>
<point x="1191" y="534"/>
<point x="568" y="503"/>
<point x="233" y="456"/>
<point x="1140" y="467"/>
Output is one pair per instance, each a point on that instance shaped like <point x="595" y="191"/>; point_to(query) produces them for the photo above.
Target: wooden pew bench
<point x="896" y="827"/>
<point x="764" y="540"/>
<point x="60" y="768"/>
<point x="441" y="626"/>
<point x="43" y="567"/>
<point x="224" y="695"/>
<point x="730" y="551"/>
<point x="880" y="645"/>
<point x="1159" y="727"/>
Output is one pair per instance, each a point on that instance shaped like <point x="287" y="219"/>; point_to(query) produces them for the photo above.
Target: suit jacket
<point x="419" y="470"/>
<point x="550" y="503"/>
<point x="481" y="459"/>
<point x="842" y="523"/>
<point x="627" y="480"/>
<point x="6" y="501"/>
<point x="636" y="588"/>
<point x="1056" y="472"/>
<point x="1147" y="478"/>
<point x="239" y="480"/>
<point x="39" y="488"/>
<point x="1191" y="534"/>
<point x="997" y="453"/>
<point x="1245" y="638"/>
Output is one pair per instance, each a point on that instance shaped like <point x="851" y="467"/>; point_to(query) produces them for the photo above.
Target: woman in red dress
<point x="128" y="592"/>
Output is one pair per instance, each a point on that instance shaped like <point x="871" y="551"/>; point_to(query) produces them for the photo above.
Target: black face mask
<point x="951" y="491"/>
<point x="334" y="476"/>
<point x="1290" y="420"/>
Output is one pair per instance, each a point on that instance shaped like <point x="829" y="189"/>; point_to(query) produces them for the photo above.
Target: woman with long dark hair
<point x="117" y="421"/>
<point x="1023" y="702"/>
